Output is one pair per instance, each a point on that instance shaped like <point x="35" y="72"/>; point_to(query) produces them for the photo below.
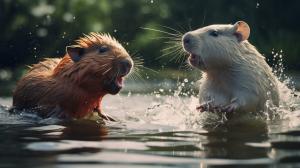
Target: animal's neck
<point x="220" y="75"/>
<point x="63" y="66"/>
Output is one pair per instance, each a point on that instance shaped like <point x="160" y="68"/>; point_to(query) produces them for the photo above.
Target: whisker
<point x="161" y="31"/>
<point x="169" y="38"/>
<point x="104" y="65"/>
<point x="169" y="48"/>
<point x="169" y="53"/>
<point x="181" y="56"/>
<point x="175" y="58"/>
<point x="135" y="75"/>
<point x="106" y="71"/>
<point x="178" y="43"/>
<point x="149" y="69"/>
<point x="174" y="38"/>
<point x="182" y="28"/>
<point x="170" y="28"/>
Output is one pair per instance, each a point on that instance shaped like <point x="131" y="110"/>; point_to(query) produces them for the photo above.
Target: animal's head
<point x="212" y="47"/>
<point x="100" y="62"/>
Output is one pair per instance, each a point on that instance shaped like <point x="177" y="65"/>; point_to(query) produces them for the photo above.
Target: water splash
<point x="179" y="109"/>
<point x="289" y="97"/>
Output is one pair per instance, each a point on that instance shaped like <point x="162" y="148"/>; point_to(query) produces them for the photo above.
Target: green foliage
<point x="34" y="29"/>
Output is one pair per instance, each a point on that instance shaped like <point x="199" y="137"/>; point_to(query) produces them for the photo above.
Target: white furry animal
<point x="236" y="76"/>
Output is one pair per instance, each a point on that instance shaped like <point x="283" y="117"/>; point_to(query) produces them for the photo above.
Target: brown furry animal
<point x="73" y="87"/>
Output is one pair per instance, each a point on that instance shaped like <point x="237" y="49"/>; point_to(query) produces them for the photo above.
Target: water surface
<point x="153" y="131"/>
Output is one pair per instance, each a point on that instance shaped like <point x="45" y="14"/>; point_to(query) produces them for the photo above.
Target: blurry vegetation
<point x="33" y="29"/>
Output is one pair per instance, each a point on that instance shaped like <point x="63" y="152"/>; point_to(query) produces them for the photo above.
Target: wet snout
<point x="125" y="66"/>
<point x="187" y="41"/>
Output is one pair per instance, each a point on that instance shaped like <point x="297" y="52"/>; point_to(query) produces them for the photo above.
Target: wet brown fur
<point x="62" y="88"/>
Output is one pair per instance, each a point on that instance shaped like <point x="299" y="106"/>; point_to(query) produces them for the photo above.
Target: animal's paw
<point x="230" y="108"/>
<point x="106" y="117"/>
<point x="103" y="115"/>
<point x="201" y="108"/>
<point x="209" y="107"/>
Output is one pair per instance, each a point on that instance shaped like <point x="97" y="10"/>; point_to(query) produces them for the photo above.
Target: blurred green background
<point x="33" y="29"/>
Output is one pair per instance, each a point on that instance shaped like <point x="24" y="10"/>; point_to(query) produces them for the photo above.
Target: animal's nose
<point x="187" y="38"/>
<point x="125" y="66"/>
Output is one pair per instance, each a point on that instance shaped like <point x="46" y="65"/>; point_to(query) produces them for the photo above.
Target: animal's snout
<point x="125" y="66"/>
<point x="187" y="39"/>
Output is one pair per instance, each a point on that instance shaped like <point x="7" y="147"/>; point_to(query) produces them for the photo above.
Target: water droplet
<point x="151" y="1"/>
<point x="42" y="32"/>
<point x="186" y="80"/>
<point x="68" y="17"/>
<point x="257" y="4"/>
<point x="115" y="30"/>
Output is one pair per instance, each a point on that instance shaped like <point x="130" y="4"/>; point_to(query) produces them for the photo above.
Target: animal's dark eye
<point x="103" y="49"/>
<point x="214" y="33"/>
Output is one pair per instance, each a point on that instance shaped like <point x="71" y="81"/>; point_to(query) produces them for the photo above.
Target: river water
<point x="157" y="129"/>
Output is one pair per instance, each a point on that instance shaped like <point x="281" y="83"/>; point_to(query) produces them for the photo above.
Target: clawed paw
<point x="208" y="107"/>
<point x="103" y="115"/>
<point x="106" y="117"/>
<point x="230" y="108"/>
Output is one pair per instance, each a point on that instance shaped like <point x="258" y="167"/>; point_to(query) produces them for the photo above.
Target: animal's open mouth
<point x="119" y="81"/>
<point x="193" y="58"/>
<point x="196" y="61"/>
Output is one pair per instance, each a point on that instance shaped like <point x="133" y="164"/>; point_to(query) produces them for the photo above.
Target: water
<point x="153" y="130"/>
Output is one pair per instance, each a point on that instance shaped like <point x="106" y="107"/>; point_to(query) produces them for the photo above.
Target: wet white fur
<point x="235" y="73"/>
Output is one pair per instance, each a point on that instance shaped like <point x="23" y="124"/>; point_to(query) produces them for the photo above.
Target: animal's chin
<point x="115" y="85"/>
<point x="196" y="61"/>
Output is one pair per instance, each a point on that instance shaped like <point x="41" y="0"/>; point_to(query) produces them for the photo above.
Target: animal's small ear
<point x="242" y="30"/>
<point x="75" y="52"/>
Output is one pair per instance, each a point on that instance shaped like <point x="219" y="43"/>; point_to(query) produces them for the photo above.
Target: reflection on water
<point x="152" y="131"/>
